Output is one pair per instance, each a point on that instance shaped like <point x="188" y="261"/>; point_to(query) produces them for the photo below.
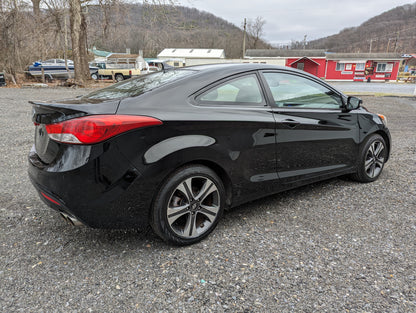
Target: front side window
<point x="239" y="90"/>
<point x="291" y="91"/>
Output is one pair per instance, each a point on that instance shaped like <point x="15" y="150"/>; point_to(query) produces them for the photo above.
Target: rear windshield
<point x="137" y="86"/>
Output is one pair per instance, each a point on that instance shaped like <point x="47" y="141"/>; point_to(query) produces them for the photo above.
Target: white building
<point x="188" y="57"/>
<point x="182" y="57"/>
<point x="192" y="54"/>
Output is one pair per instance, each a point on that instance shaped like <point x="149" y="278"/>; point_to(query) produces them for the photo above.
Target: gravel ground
<point x="334" y="246"/>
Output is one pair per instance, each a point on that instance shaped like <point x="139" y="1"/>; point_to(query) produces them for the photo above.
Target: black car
<point x="174" y="148"/>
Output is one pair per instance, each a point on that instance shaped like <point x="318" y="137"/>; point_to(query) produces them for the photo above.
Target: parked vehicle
<point x="55" y="69"/>
<point x="155" y="65"/>
<point x="2" y="79"/>
<point x="117" y="71"/>
<point x="174" y="148"/>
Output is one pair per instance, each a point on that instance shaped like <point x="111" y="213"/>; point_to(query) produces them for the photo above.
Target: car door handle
<point x="291" y="123"/>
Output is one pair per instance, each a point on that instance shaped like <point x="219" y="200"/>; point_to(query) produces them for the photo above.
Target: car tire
<point x="94" y="76"/>
<point x="372" y="157"/>
<point x="119" y="77"/>
<point x="188" y="205"/>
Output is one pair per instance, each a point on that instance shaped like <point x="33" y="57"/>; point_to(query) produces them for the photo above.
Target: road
<point x="334" y="246"/>
<point x="406" y="89"/>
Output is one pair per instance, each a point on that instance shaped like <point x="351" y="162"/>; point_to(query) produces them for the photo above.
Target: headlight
<point x="383" y="119"/>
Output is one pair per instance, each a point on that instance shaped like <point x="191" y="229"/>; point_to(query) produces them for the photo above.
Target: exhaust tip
<point x="71" y="220"/>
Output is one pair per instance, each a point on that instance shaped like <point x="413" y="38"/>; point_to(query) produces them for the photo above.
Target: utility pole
<point x="388" y="45"/>
<point x="244" y="38"/>
<point x="371" y="44"/>
<point x="397" y="39"/>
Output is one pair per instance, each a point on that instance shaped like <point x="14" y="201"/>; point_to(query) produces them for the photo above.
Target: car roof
<point x="179" y="91"/>
<point x="225" y="69"/>
<point x="234" y="67"/>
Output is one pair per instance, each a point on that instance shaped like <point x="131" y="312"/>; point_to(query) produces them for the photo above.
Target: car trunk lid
<point x="45" y="113"/>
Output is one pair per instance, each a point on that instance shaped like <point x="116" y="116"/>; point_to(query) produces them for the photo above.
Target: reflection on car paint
<point x="171" y="145"/>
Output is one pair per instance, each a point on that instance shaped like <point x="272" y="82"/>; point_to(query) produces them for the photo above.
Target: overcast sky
<point x="288" y="20"/>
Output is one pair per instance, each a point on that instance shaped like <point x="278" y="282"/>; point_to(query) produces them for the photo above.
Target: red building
<point x="312" y="65"/>
<point x="362" y="66"/>
<point x="335" y="66"/>
<point x="311" y="61"/>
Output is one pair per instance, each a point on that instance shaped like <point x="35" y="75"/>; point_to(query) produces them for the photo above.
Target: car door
<point x="314" y="137"/>
<point x="245" y="127"/>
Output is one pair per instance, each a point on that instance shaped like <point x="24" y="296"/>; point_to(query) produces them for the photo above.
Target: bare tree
<point x="157" y="13"/>
<point x="79" y="42"/>
<point x="32" y="30"/>
<point x="15" y="31"/>
<point x="36" y="7"/>
<point x="255" y="31"/>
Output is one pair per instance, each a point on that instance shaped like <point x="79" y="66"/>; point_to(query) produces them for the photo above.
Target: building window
<point x="360" y="67"/>
<point x="300" y="66"/>
<point x="384" y="67"/>
<point x="381" y="67"/>
<point x="340" y="66"/>
<point x="348" y="67"/>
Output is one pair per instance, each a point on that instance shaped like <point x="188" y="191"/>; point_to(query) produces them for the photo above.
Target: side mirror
<point x="353" y="103"/>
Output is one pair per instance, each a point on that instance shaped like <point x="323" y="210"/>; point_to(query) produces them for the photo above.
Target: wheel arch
<point x="222" y="174"/>
<point x="219" y="170"/>
<point x="387" y="141"/>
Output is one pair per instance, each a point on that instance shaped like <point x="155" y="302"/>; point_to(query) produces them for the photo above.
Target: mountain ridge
<point x="390" y="31"/>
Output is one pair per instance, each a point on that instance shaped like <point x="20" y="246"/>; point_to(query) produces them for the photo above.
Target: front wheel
<point x="188" y="206"/>
<point x="371" y="159"/>
<point x="119" y="77"/>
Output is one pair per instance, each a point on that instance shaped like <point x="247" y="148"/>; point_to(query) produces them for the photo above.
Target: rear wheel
<point x="188" y="205"/>
<point x="371" y="159"/>
<point x="119" y="77"/>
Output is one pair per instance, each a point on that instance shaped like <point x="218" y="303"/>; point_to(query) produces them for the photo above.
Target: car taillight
<point x="96" y="128"/>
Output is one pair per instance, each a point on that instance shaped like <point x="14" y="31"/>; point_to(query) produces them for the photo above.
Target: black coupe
<point x="174" y="148"/>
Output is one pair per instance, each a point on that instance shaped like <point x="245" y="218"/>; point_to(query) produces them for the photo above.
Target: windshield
<point x="137" y="86"/>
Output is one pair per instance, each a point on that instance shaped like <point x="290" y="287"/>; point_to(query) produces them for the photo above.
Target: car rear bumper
<point x="94" y="193"/>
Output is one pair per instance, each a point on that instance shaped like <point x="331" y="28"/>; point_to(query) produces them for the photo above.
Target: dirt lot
<point x="335" y="246"/>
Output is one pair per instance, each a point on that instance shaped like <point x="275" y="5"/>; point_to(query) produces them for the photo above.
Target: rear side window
<point x="241" y="90"/>
<point x="137" y="86"/>
<point x="299" y="92"/>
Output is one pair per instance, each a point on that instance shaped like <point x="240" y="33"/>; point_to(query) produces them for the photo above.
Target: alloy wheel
<point x="193" y="207"/>
<point x="374" y="159"/>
